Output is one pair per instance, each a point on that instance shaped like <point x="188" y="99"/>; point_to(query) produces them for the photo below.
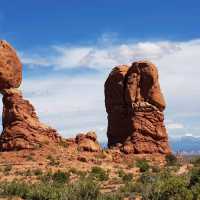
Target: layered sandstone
<point x="21" y="126"/>
<point x="135" y="104"/>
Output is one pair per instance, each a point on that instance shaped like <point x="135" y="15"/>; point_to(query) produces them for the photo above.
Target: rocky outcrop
<point x="88" y="142"/>
<point x="135" y="104"/>
<point x="84" y="142"/>
<point x="21" y="126"/>
<point x="10" y="67"/>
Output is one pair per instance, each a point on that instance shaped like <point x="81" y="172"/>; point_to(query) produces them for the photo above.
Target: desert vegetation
<point x="151" y="183"/>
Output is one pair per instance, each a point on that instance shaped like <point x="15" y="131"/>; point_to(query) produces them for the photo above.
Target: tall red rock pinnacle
<point x="21" y="126"/>
<point x="134" y="103"/>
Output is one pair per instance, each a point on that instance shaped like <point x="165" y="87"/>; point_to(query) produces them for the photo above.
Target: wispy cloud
<point x="99" y="56"/>
<point x="175" y="126"/>
<point x="76" y="103"/>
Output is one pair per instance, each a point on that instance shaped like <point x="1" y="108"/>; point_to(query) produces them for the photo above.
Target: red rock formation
<point x="21" y="126"/>
<point x="135" y="104"/>
<point x="84" y="142"/>
<point x="10" y="67"/>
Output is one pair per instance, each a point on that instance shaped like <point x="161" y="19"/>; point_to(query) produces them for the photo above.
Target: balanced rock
<point x="134" y="103"/>
<point x="21" y="126"/>
<point x="10" y="67"/>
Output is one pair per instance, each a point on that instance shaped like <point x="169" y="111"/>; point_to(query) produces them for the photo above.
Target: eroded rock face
<point x="88" y="142"/>
<point x="21" y="126"/>
<point x="135" y="104"/>
<point x="10" y="67"/>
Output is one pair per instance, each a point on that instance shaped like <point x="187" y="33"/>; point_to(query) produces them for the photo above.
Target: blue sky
<point x="69" y="47"/>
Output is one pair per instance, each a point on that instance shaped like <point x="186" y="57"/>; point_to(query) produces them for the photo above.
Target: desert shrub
<point x="81" y="190"/>
<point x="53" y="161"/>
<point x="60" y="177"/>
<point x="7" y="168"/>
<point x="27" y="173"/>
<point x="196" y="192"/>
<point x="155" y="169"/>
<point x="143" y="165"/>
<point x="126" y="177"/>
<point x="85" y="189"/>
<point x="81" y="174"/>
<point x="29" y="158"/>
<point x="37" y="172"/>
<point x="99" y="174"/>
<point x="163" y="186"/>
<point x="196" y="161"/>
<point x="194" y="176"/>
<point x="128" y="188"/>
<point x="13" y="189"/>
<point x="171" y="160"/>
<point x="63" y="143"/>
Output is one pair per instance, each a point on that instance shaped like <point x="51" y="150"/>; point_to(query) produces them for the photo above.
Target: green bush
<point x="99" y="174"/>
<point x="196" y="192"/>
<point x="195" y="177"/>
<point x="37" y="172"/>
<point x="196" y="162"/>
<point x="126" y="177"/>
<point x="53" y="161"/>
<point x="14" y="189"/>
<point x="143" y="165"/>
<point x="7" y="169"/>
<point x="171" y="160"/>
<point x="60" y="177"/>
<point x="163" y="186"/>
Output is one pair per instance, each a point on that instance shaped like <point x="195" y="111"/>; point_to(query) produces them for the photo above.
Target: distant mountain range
<point x="186" y="145"/>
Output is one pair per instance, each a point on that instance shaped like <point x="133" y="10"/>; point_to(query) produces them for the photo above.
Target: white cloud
<point x="175" y="126"/>
<point x="97" y="56"/>
<point x="74" y="104"/>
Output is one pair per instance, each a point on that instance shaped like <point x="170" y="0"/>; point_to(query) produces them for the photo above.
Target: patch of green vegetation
<point x="143" y="165"/>
<point x="53" y="161"/>
<point x="61" y="177"/>
<point x="84" y="189"/>
<point x="81" y="174"/>
<point x="29" y="158"/>
<point x="63" y="143"/>
<point x="171" y="160"/>
<point x="99" y="174"/>
<point x="196" y="161"/>
<point x="37" y="172"/>
<point x="126" y="177"/>
<point x="7" y="169"/>
<point x="58" y="177"/>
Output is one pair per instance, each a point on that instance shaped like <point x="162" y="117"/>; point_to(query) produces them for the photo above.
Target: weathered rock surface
<point x="135" y="104"/>
<point x="88" y="142"/>
<point x="21" y="126"/>
<point x="10" y="67"/>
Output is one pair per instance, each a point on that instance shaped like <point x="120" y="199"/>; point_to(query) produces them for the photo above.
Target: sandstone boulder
<point x="10" y="67"/>
<point x="88" y="142"/>
<point x="21" y="126"/>
<point x="134" y="103"/>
